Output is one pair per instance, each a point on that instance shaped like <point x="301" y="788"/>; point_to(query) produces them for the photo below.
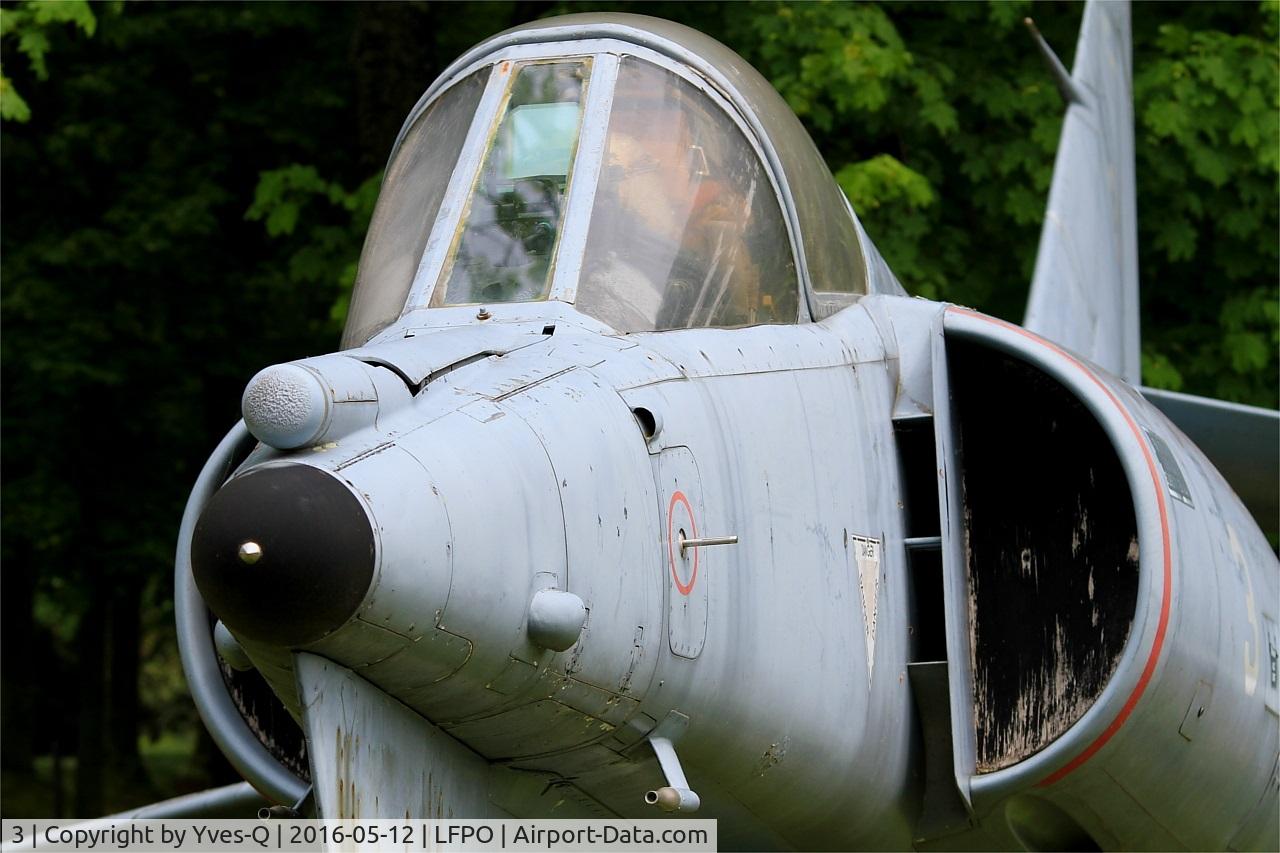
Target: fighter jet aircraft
<point x="640" y="487"/>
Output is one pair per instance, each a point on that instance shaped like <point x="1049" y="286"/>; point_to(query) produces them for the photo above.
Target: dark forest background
<point x="185" y="191"/>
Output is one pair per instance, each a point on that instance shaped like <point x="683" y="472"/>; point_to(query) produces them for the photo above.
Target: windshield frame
<point x="579" y="192"/>
<point x="604" y="54"/>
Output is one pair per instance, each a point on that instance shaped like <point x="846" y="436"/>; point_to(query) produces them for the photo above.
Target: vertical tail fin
<point x="1084" y="293"/>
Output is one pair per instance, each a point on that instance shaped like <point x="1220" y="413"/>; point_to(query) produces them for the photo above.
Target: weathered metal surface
<point x="688" y="577"/>
<point x="316" y="401"/>
<point x="532" y="448"/>
<point x="271" y="722"/>
<point x="372" y="757"/>
<point x="204" y="672"/>
<point x="942" y="811"/>
<point x="556" y="619"/>
<point x="1242" y="442"/>
<point x="1084" y="291"/>
<point x="1207" y="578"/>
<point x="606" y="494"/>
<point x="417" y="364"/>
<point x="547" y="726"/>
<point x="1052" y="552"/>
<point x="676" y="796"/>
<point x="237" y="801"/>
<point x="908" y="329"/>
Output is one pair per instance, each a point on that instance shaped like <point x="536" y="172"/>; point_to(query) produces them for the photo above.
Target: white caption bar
<point x="323" y="836"/>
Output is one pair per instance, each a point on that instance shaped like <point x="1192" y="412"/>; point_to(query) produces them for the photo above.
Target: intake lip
<point x="312" y="564"/>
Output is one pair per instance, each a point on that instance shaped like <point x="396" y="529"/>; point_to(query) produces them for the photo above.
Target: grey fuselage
<point x="840" y="568"/>
<point x="785" y="661"/>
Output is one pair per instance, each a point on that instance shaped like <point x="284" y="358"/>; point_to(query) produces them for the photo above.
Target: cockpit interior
<point x="648" y="192"/>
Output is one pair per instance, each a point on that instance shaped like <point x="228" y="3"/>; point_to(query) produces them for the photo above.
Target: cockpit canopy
<point x="628" y="165"/>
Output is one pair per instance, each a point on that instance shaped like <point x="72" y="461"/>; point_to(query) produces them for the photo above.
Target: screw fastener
<point x="250" y="553"/>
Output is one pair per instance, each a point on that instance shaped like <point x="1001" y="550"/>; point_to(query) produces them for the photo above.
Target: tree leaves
<point x="870" y="183"/>
<point x="29" y="24"/>
<point x="1208" y="125"/>
<point x="940" y="123"/>
<point x="324" y="252"/>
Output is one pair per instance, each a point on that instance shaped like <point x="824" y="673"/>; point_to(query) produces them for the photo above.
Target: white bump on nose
<point x="285" y="406"/>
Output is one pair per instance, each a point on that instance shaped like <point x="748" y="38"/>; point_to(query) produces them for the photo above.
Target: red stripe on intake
<point x="1158" y="643"/>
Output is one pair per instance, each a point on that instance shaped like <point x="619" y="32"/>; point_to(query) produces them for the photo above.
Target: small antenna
<point x="1061" y="77"/>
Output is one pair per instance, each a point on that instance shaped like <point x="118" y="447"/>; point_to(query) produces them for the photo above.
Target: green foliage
<point x="13" y="107"/>
<point x="282" y="193"/>
<point x="1159" y="372"/>
<point x="836" y="62"/>
<point x="870" y="183"/>
<point x="1208" y="116"/>
<point x="326" y="251"/>
<point x="940" y="123"/>
<point x="897" y="198"/>
<point x="847" y="72"/>
<point x="943" y="150"/>
<point x="136" y="303"/>
<point x="28" y="25"/>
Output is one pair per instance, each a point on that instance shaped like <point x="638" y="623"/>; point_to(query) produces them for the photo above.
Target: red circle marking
<point x="1157" y="643"/>
<point x="678" y="497"/>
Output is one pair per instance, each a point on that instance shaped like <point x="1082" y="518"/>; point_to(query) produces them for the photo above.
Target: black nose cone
<point x="284" y="555"/>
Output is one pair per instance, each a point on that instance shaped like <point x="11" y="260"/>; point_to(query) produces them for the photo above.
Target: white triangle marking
<point x="867" y="554"/>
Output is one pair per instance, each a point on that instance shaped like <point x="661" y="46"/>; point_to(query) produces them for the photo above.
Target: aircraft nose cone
<point x="284" y="555"/>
